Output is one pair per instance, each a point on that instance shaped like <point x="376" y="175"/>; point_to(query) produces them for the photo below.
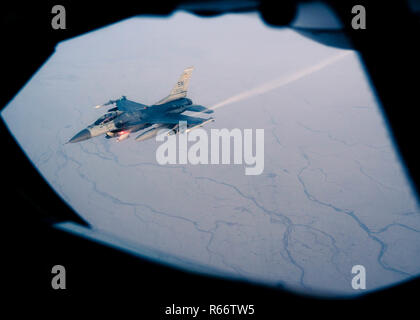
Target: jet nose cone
<point x="81" y="136"/>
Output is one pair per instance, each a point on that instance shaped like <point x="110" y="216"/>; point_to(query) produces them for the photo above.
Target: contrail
<point x="277" y="83"/>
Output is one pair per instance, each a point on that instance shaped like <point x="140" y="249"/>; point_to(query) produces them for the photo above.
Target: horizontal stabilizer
<point x="197" y="108"/>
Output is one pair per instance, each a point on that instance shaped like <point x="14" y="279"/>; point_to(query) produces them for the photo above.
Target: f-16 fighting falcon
<point x="128" y="116"/>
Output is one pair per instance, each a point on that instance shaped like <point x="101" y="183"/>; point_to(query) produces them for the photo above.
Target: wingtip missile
<point x="109" y="103"/>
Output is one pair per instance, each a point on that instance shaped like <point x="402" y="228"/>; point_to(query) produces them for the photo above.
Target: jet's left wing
<point x="128" y="105"/>
<point x="123" y="104"/>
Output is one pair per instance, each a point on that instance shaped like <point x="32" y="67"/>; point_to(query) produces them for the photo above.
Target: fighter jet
<point x="126" y="117"/>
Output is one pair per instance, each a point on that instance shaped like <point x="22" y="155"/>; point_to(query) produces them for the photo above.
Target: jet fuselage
<point x="115" y="122"/>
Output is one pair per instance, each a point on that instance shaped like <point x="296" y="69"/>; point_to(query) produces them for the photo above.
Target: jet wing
<point x="128" y="105"/>
<point x="174" y="118"/>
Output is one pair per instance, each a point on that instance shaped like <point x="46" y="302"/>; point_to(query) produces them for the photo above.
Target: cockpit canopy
<point x="106" y="118"/>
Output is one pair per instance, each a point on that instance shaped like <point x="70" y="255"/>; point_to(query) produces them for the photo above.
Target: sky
<point x="333" y="193"/>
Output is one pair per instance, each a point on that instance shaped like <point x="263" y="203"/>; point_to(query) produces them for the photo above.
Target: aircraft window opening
<point x="105" y="118"/>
